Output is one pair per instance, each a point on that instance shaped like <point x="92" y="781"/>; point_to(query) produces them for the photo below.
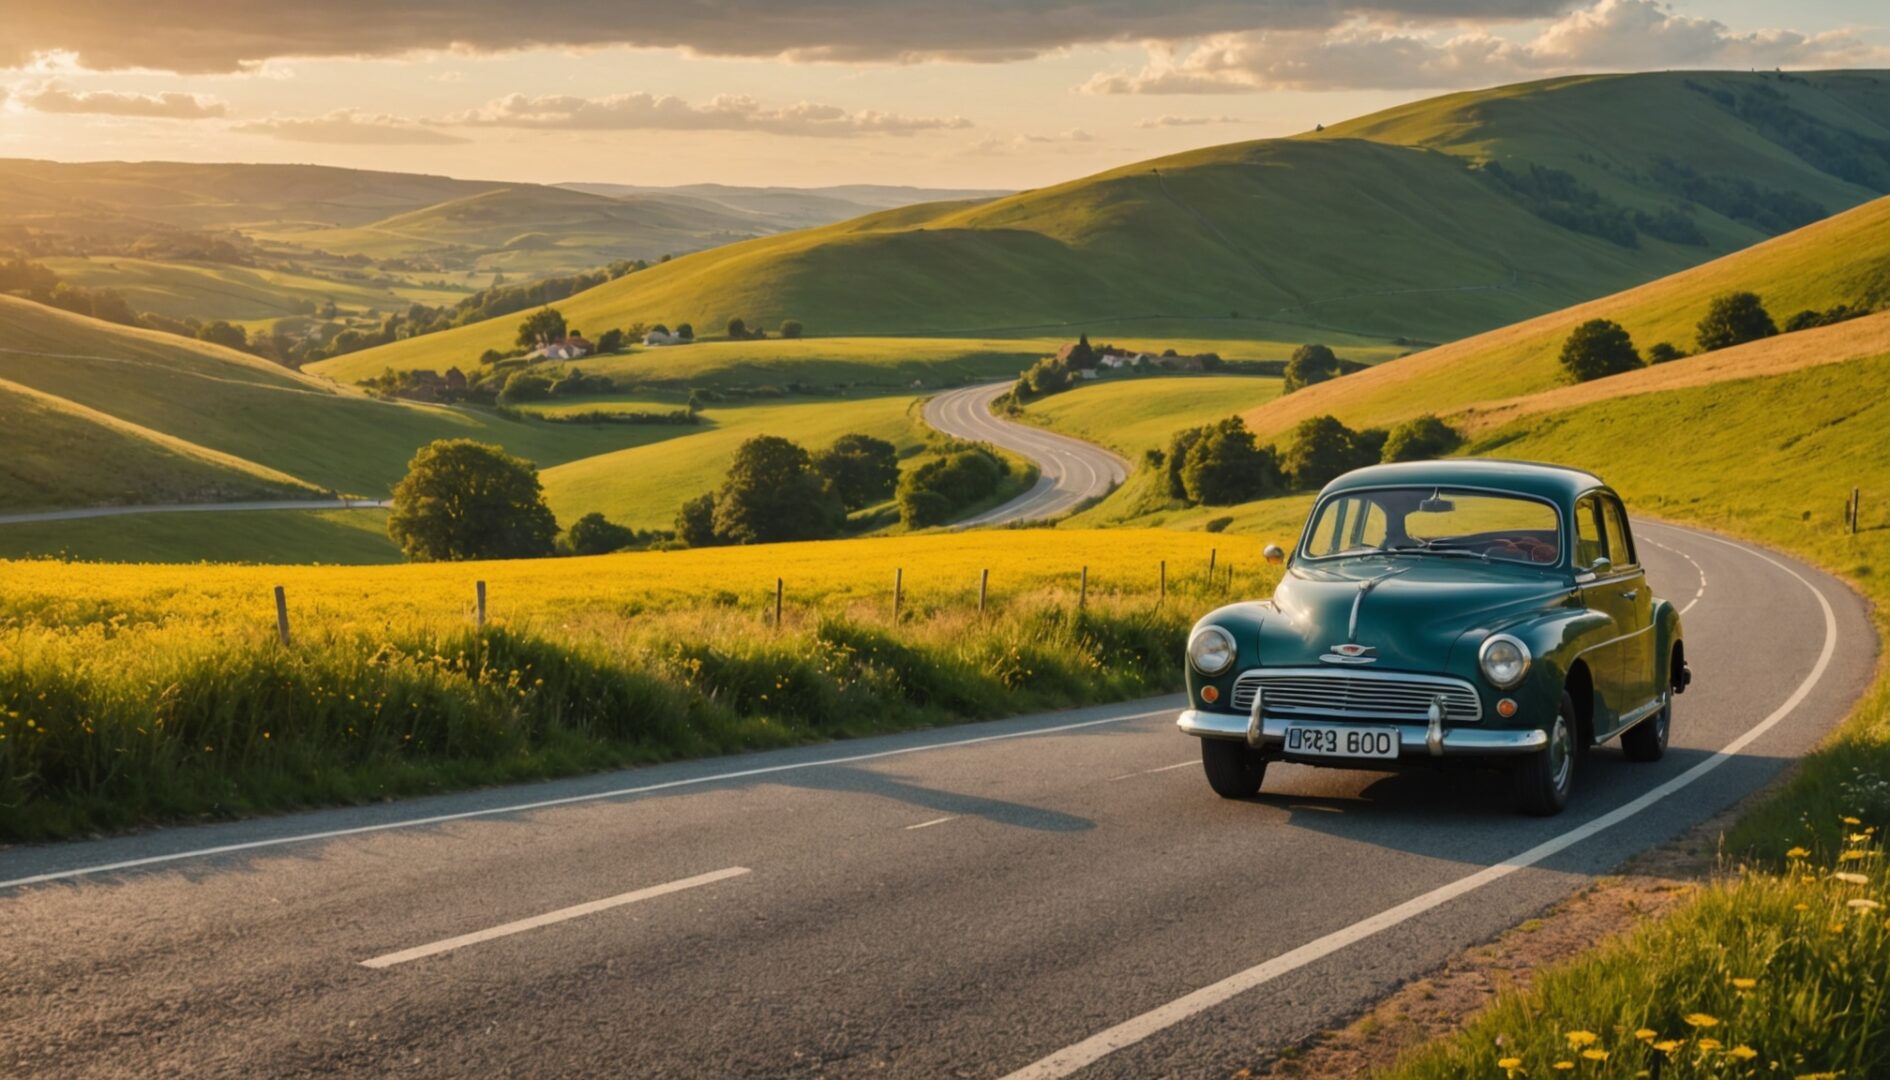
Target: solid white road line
<point x="934" y="821"/>
<point x="542" y="804"/>
<point x="1164" y="768"/>
<point x="549" y="917"/>
<point x="1129" y="1032"/>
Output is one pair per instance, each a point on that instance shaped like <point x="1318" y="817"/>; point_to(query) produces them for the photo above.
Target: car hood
<point x="1413" y="610"/>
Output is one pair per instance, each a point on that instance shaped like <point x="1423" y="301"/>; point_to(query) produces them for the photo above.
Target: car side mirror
<point x="1273" y="554"/>
<point x="1601" y="565"/>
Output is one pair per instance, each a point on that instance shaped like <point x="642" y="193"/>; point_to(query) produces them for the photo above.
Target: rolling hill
<point x="1431" y="221"/>
<point x="797" y="208"/>
<point x="1841" y="260"/>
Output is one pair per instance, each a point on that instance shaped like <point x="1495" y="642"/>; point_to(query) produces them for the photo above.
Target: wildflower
<point x="1646" y="1035"/>
<point x="1708" y="1045"/>
<point x="1511" y="1066"/>
<point x="1858" y="837"/>
<point x="1797" y="853"/>
<point x="1850" y="821"/>
<point x="1564" y="1066"/>
<point x="1742" y="1052"/>
<point x="1579" y="1039"/>
<point x="1593" y="1054"/>
<point x="1801" y="907"/>
<point x="1701" y="1020"/>
<point x="1853" y="856"/>
<point x="1852" y="879"/>
<point x="1668" y="1046"/>
<point x="1745" y="984"/>
<point x="1861" y="904"/>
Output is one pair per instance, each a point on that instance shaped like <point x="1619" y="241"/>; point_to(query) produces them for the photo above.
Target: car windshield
<point x="1432" y="521"/>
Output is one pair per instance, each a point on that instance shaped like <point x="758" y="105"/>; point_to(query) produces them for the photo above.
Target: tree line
<point x="1602" y="347"/>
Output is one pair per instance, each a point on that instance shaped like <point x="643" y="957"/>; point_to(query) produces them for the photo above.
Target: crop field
<point x="1136" y="414"/>
<point x="140" y="693"/>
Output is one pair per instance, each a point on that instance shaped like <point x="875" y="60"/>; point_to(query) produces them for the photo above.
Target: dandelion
<point x="1564" y="1066"/>
<point x="1646" y="1035"/>
<point x="1579" y="1039"/>
<point x="1797" y="853"/>
<point x="1801" y="907"/>
<point x="1742" y="1052"/>
<point x="1593" y="1054"/>
<point x="1701" y="1020"/>
<point x="1850" y="821"/>
<point x="1668" y="1046"/>
<point x="1745" y="984"/>
<point x="1511" y="1066"/>
<point x="1708" y="1045"/>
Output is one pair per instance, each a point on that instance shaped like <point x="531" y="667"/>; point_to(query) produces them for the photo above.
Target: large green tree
<point x="1734" y="318"/>
<point x="1322" y="449"/>
<point x="1598" y="348"/>
<point x="863" y="470"/>
<point x="773" y="494"/>
<point x="1310" y="364"/>
<point x="1420" y="439"/>
<point x="1226" y="465"/>
<point x="463" y="499"/>
<point x="595" y="534"/>
<point x="541" y="327"/>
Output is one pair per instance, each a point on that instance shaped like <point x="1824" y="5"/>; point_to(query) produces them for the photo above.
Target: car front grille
<point x="1353" y="695"/>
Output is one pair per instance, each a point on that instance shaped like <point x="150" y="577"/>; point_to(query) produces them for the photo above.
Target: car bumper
<point x="1413" y="739"/>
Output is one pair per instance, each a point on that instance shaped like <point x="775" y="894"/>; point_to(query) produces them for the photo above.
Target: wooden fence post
<point x="1162" y="585"/>
<point x="984" y="583"/>
<point x="899" y="585"/>
<point x="777" y="603"/>
<point x="1082" y="590"/>
<point x="479" y="604"/>
<point x="1212" y="552"/>
<point x="282" y="615"/>
<point x="1857" y="508"/>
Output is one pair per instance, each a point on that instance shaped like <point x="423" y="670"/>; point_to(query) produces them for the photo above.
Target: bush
<point x="1733" y="319"/>
<point x="1310" y="364"/>
<point x="1321" y="450"/>
<point x="1218" y="524"/>
<point x="610" y="341"/>
<point x="594" y="534"/>
<point x="695" y="522"/>
<point x="1224" y="465"/>
<point x="863" y="470"/>
<point x="919" y="508"/>
<point x="791" y="329"/>
<point x="960" y="478"/>
<point x="577" y="384"/>
<point x="525" y="385"/>
<point x="1420" y="439"/>
<point x="1598" y="348"/>
<point x="1663" y="352"/>
<point x="463" y="499"/>
<point x="737" y="329"/>
<point x="1810" y="319"/>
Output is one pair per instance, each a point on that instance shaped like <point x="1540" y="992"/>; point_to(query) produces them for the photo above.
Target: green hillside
<point x="329" y="537"/>
<point x="1431" y="221"/>
<point x="1842" y="260"/>
<point x="1138" y="414"/>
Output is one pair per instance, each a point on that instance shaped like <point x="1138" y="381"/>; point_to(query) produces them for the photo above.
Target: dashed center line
<point x="934" y="821"/>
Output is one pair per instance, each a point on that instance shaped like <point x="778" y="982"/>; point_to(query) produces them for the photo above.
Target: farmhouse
<point x="662" y="337"/>
<point x="574" y="345"/>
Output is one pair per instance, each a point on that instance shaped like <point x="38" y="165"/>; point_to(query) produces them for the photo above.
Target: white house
<point x="571" y="348"/>
<point x="662" y="337"/>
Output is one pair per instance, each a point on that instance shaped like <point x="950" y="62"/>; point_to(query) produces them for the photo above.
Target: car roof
<point x="1556" y="482"/>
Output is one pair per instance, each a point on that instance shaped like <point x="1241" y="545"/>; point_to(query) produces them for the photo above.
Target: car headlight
<point x="1504" y="660"/>
<point x="1211" y="650"/>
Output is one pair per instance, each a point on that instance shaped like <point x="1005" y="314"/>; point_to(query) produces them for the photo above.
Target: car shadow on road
<point x="840" y="778"/>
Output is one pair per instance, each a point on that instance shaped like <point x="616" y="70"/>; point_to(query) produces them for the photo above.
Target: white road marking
<point x="934" y="821"/>
<point x="1164" y="768"/>
<point x="550" y="917"/>
<point x="542" y="804"/>
<point x="1697" y="568"/>
<point x="1129" y="1032"/>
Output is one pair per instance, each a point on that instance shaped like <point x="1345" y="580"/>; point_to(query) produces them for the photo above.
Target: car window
<point x="1589" y="545"/>
<point x="1620" y="541"/>
<point x="1349" y="524"/>
<point x="1435" y="521"/>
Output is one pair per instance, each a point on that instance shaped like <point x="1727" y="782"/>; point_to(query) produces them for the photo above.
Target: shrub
<point x="594" y="534"/>
<point x="1322" y="449"/>
<point x="1310" y="364"/>
<point x="525" y="385"/>
<point x="1218" y="524"/>
<point x="919" y="508"/>
<point x="1225" y="465"/>
<point x="610" y="341"/>
<point x="1663" y="352"/>
<point x="1810" y="319"/>
<point x="695" y="522"/>
<point x="1598" y="348"/>
<point x="463" y="499"/>
<point x="961" y="478"/>
<point x="1733" y="319"/>
<point x="737" y="329"/>
<point x="863" y="470"/>
<point x="1420" y="439"/>
<point x="792" y="329"/>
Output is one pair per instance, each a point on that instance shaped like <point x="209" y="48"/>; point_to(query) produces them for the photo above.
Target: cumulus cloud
<point x="1171" y="121"/>
<point x="349" y="126"/>
<point x="999" y="145"/>
<point x="54" y="98"/>
<point x="729" y="112"/>
<point x="227" y="35"/>
<point x="1370" y="53"/>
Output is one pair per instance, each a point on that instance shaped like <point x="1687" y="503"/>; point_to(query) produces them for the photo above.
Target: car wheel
<point x="1647" y="740"/>
<point x="1233" y="770"/>
<point x="1543" y="779"/>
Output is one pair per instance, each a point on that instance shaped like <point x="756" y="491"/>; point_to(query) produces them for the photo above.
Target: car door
<point x="1603" y="594"/>
<point x="1637" y="651"/>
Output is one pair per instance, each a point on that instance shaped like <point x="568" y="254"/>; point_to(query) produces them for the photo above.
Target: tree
<point x="1734" y="318"/>
<point x="610" y="341"/>
<point x="1046" y="377"/>
<point x="1225" y="465"/>
<point x="541" y="327"/>
<point x="463" y="499"/>
<point x="222" y="333"/>
<point x="1179" y="447"/>
<point x="931" y="493"/>
<point x="1321" y="449"/>
<point x="695" y="522"/>
<point x="525" y="385"/>
<point x="1598" y="348"/>
<point x="1421" y="439"/>
<point x="792" y="328"/>
<point x="594" y="534"/>
<point x="1311" y="363"/>
<point x="773" y="494"/>
<point x="1081" y="356"/>
<point x="686" y="331"/>
<point x="863" y="470"/>
<point x="737" y="329"/>
<point x="1663" y="352"/>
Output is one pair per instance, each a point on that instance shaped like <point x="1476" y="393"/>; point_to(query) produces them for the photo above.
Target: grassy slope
<point x="237" y="293"/>
<point x="1844" y="259"/>
<point x="1393" y="236"/>
<point x="1133" y="415"/>
<point x="329" y="537"/>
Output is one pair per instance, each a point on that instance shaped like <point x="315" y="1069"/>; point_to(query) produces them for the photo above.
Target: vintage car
<point x="1483" y="612"/>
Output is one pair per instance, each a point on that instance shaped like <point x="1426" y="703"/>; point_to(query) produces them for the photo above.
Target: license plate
<point x="1341" y="740"/>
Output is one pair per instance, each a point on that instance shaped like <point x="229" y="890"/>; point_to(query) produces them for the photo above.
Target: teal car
<point x="1487" y="613"/>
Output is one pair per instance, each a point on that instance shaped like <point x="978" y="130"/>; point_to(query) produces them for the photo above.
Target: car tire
<point x="1543" y="780"/>
<point x="1647" y="740"/>
<point x="1234" y="770"/>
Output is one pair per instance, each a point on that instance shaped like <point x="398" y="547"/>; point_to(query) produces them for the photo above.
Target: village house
<point x="571" y="348"/>
<point x="662" y="337"/>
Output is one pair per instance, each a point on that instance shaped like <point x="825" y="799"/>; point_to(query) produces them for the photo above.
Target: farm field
<point x="1132" y="415"/>
<point x="325" y="537"/>
<point x="241" y="294"/>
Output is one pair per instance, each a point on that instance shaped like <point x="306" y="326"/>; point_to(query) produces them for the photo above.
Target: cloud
<point x="1171" y="121"/>
<point x="651" y="112"/>
<point x="227" y="35"/>
<point x="53" y="98"/>
<point x="349" y="126"/>
<point x="999" y="145"/>
<point x="1369" y="53"/>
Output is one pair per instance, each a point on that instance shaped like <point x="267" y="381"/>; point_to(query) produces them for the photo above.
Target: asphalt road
<point x="1053" y="895"/>
<point x="1071" y="470"/>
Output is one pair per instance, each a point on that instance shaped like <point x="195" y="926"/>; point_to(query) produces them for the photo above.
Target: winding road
<point x="1048" y="896"/>
<point x="1070" y="471"/>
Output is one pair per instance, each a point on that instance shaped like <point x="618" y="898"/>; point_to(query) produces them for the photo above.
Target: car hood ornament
<point x="1350" y="653"/>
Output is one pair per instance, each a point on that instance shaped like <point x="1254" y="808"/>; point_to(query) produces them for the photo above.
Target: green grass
<point x="1845" y="259"/>
<point x="332" y="537"/>
<point x="207" y="291"/>
<point x="1131" y="415"/>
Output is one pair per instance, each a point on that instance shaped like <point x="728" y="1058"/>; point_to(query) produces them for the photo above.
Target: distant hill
<point x="799" y="207"/>
<point x="1432" y="221"/>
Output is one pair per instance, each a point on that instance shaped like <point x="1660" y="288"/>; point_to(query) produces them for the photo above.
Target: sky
<point x="935" y="93"/>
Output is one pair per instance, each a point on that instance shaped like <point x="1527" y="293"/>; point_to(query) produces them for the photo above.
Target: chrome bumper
<point x="1412" y="738"/>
